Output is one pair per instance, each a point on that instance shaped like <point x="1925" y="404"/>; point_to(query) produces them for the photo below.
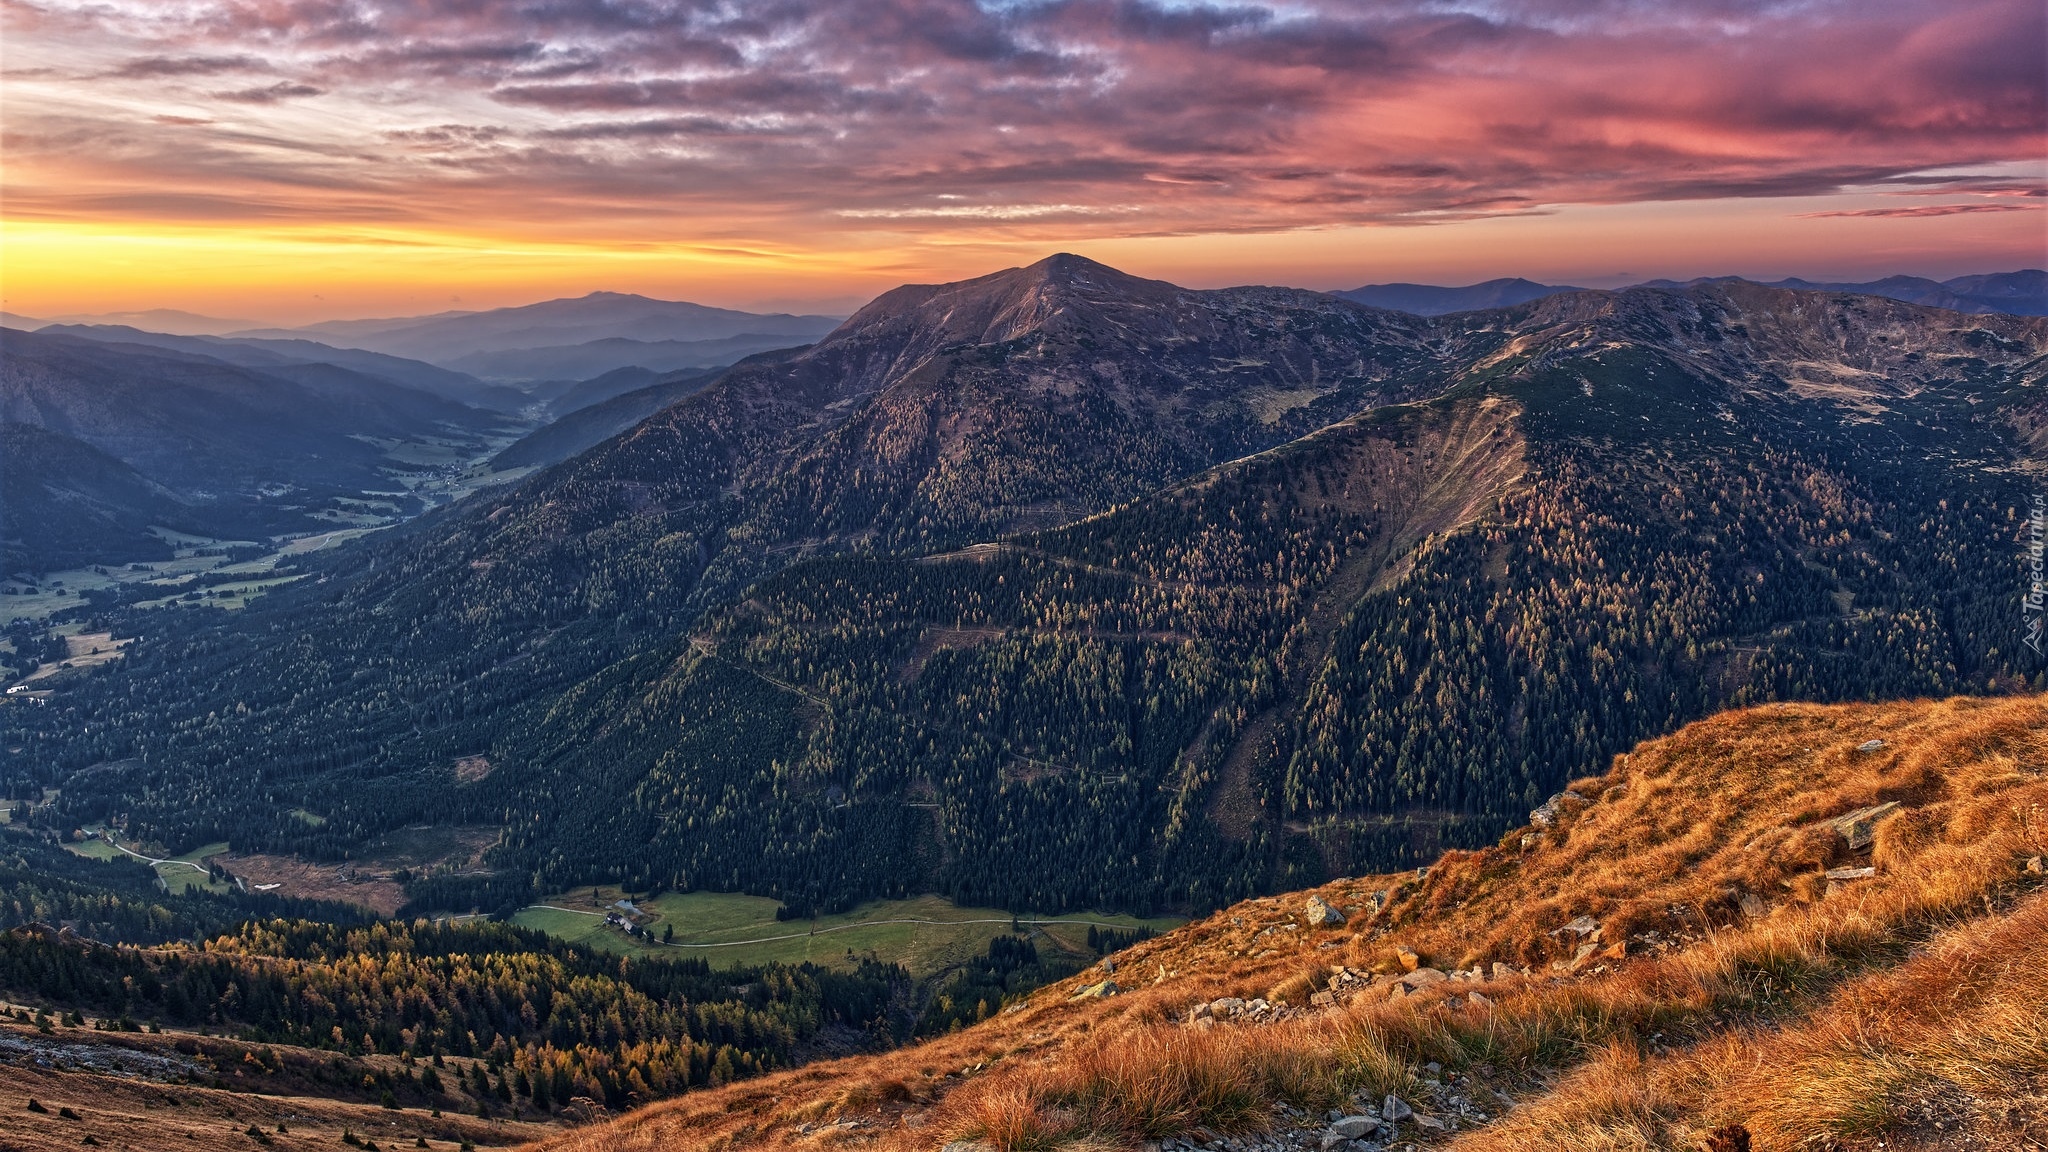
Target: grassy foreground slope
<point x="1662" y="962"/>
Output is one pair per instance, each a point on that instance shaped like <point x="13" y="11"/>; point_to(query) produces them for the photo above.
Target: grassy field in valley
<point x="925" y="934"/>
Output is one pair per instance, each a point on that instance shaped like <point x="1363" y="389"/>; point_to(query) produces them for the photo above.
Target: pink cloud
<point x="1111" y="116"/>
<point x="1922" y="210"/>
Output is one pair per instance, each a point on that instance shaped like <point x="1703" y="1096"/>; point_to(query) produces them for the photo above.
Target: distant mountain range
<point x="106" y="438"/>
<point x="554" y="339"/>
<point x="612" y="353"/>
<point x="1429" y="300"/>
<point x="1063" y="588"/>
<point x="170" y="321"/>
<point x="2022" y="293"/>
<point x="270" y="354"/>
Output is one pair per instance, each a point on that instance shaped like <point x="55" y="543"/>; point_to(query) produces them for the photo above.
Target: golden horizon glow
<point x="290" y="161"/>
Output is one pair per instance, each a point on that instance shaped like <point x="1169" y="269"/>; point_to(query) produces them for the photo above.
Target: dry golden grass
<point x="1957" y="1037"/>
<point x="130" y="1114"/>
<point x="1662" y="856"/>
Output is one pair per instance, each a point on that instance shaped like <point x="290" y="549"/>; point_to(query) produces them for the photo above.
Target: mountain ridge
<point x="962" y="615"/>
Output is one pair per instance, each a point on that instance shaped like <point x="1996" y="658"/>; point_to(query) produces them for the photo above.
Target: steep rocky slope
<point x="1792" y="926"/>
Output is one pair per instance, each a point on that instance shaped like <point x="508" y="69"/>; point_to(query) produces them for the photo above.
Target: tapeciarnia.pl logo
<point x="2036" y="599"/>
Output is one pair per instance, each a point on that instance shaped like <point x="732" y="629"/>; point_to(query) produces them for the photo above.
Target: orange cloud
<point x="883" y="127"/>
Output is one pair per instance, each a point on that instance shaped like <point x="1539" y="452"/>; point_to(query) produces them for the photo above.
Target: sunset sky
<point x="295" y="160"/>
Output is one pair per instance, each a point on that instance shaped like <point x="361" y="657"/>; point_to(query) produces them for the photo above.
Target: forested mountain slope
<point x="64" y="503"/>
<point x="1408" y="626"/>
<point x="1619" y="511"/>
<point x="935" y="417"/>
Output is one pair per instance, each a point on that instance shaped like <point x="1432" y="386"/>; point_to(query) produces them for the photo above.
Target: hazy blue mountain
<point x="585" y="427"/>
<point x="268" y="354"/>
<point x="65" y="504"/>
<point x="216" y="430"/>
<point x="1430" y="300"/>
<point x="449" y="336"/>
<point x="174" y="321"/>
<point x="2022" y="293"/>
<point x="598" y="389"/>
<point x="597" y="357"/>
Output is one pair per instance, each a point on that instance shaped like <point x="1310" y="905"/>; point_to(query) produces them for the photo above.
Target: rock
<point x="1583" y="956"/>
<point x="1406" y="955"/>
<point x="1502" y="971"/>
<point x="1859" y="828"/>
<point x="1870" y="746"/>
<point x="1352" y="1127"/>
<point x="1431" y="1123"/>
<point x="1200" y="1012"/>
<point x="1395" y="1109"/>
<point x="1323" y="1000"/>
<point x="1397" y="991"/>
<point x="969" y="1146"/>
<point x="1479" y="1000"/>
<point x="1423" y="977"/>
<point x="1227" y="1006"/>
<point x="1752" y="906"/>
<point x="1851" y="873"/>
<point x="1096" y="991"/>
<point x="1321" y="915"/>
<point x="2034" y="866"/>
<point x="1584" y="926"/>
<point x="1546" y="815"/>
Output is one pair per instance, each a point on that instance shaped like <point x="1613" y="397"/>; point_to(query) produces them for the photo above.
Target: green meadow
<point x="925" y="934"/>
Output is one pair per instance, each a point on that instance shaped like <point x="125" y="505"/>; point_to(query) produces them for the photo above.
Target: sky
<point x="296" y="160"/>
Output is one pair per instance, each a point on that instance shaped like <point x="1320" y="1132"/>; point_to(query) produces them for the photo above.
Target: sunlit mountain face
<point x="316" y="159"/>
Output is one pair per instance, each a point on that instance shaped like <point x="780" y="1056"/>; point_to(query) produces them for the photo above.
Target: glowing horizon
<point x="288" y="161"/>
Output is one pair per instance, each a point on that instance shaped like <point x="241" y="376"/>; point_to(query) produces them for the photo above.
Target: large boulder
<point x="1321" y="915"/>
<point x="1546" y="815"/>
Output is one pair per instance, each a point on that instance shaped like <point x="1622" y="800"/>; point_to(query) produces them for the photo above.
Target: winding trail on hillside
<point x="151" y="860"/>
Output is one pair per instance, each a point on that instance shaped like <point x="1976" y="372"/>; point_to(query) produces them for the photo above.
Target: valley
<point x="926" y="935"/>
<point x="867" y="715"/>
